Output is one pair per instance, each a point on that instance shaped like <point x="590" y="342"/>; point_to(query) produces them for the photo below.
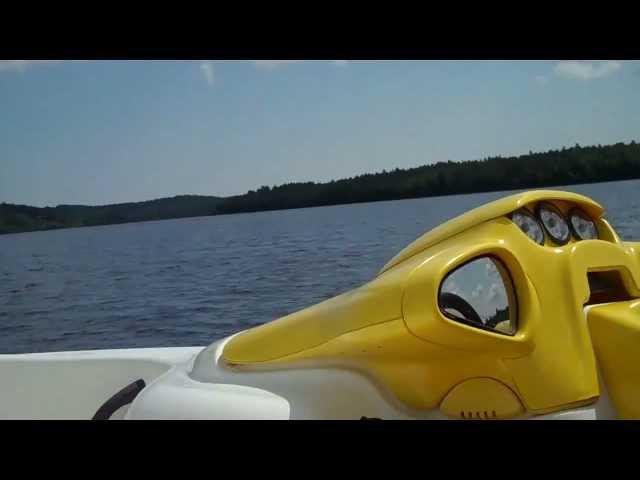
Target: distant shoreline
<point x="568" y="166"/>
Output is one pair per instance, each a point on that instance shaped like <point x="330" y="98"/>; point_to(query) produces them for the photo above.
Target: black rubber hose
<point x="123" y="397"/>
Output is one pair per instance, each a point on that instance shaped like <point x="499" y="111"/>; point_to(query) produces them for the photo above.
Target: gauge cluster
<point x="547" y="222"/>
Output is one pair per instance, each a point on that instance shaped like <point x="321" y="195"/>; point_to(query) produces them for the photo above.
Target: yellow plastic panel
<point x="552" y="341"/>
<point x="417" y="373"/>
<point x="376" y="302"/>
<point x="481" y="399"/>
<point x="490" y="211"/>
<point x="615" y="329"/>
<point x="420" y="301"/>
<point x="392" y="330"/>
<point x="563" y="356"/>
<point x="633" y="250"/>
<point x="549" y="343"/>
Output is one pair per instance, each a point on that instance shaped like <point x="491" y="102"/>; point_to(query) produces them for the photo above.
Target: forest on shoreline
<point x="566" y="166"/>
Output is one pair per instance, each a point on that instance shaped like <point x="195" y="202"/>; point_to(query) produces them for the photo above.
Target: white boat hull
<point x="191" y="383"/>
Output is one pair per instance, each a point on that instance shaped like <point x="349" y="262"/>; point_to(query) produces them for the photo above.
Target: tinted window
<point x="480" y="293"/>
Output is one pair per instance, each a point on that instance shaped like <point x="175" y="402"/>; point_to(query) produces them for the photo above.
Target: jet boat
<point x="524" y="308"/>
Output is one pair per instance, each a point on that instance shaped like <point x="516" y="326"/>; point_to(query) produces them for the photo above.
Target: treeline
<point x="555" y="167"/>
<point x="22" y="218"/>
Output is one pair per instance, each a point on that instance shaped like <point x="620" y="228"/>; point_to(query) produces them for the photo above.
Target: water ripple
<point x="191" y="281"/>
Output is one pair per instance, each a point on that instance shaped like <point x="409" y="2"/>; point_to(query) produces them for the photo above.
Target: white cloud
<point x="22" y="65"/>
<point x="207" y="71"/>
<point x="583" y="70"/>
<point x="490" y="269"/>
<point x="494" y="291"/>
<point x="450" y="285"/>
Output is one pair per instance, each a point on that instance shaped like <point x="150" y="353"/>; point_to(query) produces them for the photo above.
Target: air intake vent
<point x="606" y="286"/>
<point x="483" y="415"/>
<point x="481" y="398"/>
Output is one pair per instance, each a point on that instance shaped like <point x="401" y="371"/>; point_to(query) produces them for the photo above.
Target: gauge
<point x="582" y="225"/>
<point x="529" y="225"/>
<point x="554" y="223"/>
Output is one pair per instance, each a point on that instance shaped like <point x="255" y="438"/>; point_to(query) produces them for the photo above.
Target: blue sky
<point x="97" y="132"/>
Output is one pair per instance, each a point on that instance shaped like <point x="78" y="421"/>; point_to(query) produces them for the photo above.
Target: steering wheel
<point x="459" y="304"/>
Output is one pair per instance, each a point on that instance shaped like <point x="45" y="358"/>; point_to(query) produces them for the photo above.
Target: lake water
<point x="190" y="281"/>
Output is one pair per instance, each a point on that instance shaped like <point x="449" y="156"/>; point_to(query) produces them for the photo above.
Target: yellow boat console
<point x="523" y="306"/>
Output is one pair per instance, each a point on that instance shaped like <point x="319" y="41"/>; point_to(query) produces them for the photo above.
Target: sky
<point x="100" y="132"/>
